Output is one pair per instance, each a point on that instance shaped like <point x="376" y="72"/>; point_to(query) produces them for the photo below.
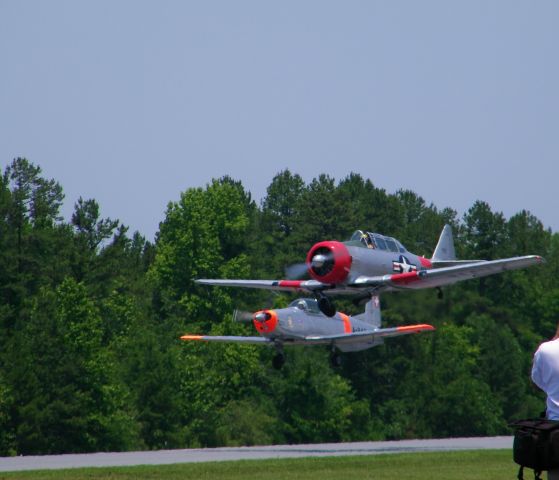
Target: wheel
<point x="278" y="361"/>
<point x="326" y="306"/>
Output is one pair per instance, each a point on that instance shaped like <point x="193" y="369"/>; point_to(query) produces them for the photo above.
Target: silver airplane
<point x="302" y="323"/>
<point x="369" y="264"/>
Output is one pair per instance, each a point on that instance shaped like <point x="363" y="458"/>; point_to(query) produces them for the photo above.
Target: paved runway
<point x="165" y="457"/>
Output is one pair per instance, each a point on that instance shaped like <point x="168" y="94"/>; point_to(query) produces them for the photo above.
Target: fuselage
<point x="303" y="319"/>
<point x="381" y="262"/>
<point x="368" y="254"/>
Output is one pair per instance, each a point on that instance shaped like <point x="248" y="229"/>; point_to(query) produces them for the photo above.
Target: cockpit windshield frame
<point x="309" y="305"/>
<point x="377" y="241"/>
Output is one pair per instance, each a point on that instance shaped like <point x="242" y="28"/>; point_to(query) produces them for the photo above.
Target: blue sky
<point x="132" y="102"/>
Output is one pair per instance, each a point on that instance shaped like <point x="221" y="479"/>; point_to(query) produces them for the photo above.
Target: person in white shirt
<point x="545" y="374"/>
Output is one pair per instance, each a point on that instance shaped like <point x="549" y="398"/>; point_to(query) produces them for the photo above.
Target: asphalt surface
<point x="166" y="457"/>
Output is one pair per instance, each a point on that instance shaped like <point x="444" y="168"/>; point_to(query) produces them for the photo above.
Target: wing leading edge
<point x="354" y="337"/>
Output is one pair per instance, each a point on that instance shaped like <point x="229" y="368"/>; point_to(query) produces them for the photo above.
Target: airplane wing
<point x="226" y="338"/>
<point x="445" y="275"/>
<point x="283" y="285"/>
<point x="359" y="337"/>
<point x="436" y="277"/>
<point x="356" y="337"/>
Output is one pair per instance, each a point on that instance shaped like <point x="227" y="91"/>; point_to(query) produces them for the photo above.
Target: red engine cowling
<point x="329" y="262"/>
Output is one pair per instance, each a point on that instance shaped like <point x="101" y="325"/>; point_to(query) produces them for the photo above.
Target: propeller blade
<point x="242" y="317"/>
<point x="295" y="271"/>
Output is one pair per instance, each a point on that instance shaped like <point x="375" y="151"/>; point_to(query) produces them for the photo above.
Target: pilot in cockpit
<point x="366" y="239"/>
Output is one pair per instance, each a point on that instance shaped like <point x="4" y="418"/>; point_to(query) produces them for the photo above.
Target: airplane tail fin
<point x="372" y="314"/>
<point x="444" y="251"/>
<point x="444" y="254"/>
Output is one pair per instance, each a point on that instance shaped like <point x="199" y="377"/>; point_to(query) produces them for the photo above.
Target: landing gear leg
<point x="335" y="359"/>
<point x="326" y="305"/>
<point x="279" y="358"/>
<point x="278" y="361"/>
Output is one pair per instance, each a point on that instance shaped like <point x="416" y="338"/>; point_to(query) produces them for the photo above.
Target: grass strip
<point x="464" y="465"/>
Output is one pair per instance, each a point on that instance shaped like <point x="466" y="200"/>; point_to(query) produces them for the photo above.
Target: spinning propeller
<point x="242" y="316"/>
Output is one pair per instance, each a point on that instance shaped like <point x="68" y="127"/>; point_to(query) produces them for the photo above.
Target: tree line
<point x="91" y="315"/>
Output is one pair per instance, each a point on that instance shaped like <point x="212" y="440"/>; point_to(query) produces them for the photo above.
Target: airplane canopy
<point x="306" y="304"/>
<point x="376" y="240"/>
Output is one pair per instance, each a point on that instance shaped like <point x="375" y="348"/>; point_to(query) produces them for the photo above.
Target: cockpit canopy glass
<point x="306" y="304"/>
<point x="375" y="240"/>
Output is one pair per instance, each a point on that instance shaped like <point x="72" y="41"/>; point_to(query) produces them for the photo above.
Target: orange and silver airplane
<point x="302" y="323"/>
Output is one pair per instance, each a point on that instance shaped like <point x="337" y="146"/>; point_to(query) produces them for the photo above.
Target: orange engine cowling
<point x="329" y="262"/>
<point x="265" y="321"/>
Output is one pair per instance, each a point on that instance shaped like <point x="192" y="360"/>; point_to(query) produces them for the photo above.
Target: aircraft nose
<point x="329" y="262"/>
<point x="262" y="316"/>
<point x="265" y="321"/>
<point x="318" y="260"/>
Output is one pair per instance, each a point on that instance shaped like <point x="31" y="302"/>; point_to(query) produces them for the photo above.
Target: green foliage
<point x="281" y="202"/>
<point x="91" y="231"/>
<point x="69" y="401"/>
<point x="211" y="379"/>
<point x="460" y="403"/>
<point x="90" y="318"/>
<point x="314" y="403"/>
<point x="7" y="443"/>
<point x="204" y="234"/>
<point x="247" y="422"/>
<point x="485" y="231"/>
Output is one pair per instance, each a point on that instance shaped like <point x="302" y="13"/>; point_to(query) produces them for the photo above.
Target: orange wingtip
<point x="416" y="328"/>
<point x="192" y="337"/>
